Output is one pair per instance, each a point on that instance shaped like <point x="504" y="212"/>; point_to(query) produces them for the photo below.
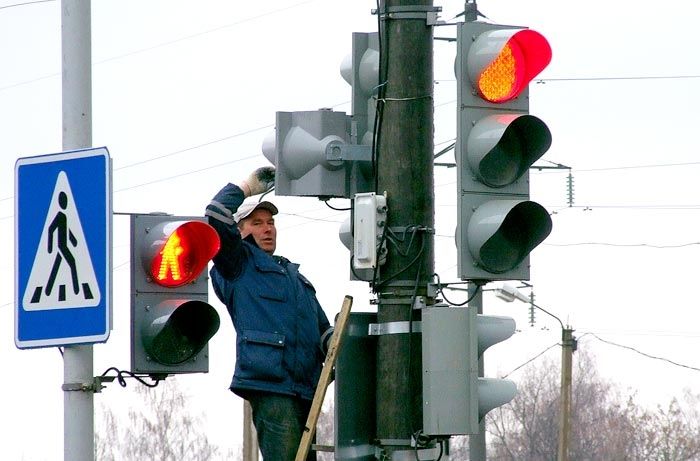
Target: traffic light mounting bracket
<point x="314" y="155"/>
<point x="349" y="153"/>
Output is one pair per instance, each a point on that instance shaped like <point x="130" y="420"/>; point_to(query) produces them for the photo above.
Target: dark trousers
<point x="279" y="421"/>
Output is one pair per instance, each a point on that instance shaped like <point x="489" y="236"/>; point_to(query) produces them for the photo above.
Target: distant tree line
<point x="162" y="428"/>
<point x="605" y="424"/>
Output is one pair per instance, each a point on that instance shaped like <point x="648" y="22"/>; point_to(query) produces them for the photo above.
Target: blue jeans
<point x="279" y="421"/>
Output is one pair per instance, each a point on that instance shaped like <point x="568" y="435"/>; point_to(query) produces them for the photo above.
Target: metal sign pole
<point x="78" y="403"/>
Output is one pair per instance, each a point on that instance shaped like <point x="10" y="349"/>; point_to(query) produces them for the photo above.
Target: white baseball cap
<point x="251" y="205"/>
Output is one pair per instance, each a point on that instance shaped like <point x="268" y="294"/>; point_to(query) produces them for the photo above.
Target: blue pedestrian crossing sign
<point x="63" y="229"/>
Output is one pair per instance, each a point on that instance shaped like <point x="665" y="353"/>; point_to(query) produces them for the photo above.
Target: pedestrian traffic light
<point x="171" y="320"/>
<point x="455" y="398"/>
<point x="313" y="156"/>
<point x="497" y="142"/>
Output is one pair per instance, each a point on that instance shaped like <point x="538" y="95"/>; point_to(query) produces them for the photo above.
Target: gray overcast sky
<point x="184" y="92"/>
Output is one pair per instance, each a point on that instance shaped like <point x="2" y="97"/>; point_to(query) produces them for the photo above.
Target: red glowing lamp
<point x="502" y="62"/>
<point x="185" y="249"/>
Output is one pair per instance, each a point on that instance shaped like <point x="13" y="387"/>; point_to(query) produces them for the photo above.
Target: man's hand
<point x="259" y="181"/>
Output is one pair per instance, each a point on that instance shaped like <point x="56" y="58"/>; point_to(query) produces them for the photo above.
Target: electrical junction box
<point x="370" y="214"/>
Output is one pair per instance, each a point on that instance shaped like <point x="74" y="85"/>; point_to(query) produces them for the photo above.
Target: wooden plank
<point x="324" y="380"/>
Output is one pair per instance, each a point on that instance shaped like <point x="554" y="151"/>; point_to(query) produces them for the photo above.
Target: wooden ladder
<point x="324" y="380"/>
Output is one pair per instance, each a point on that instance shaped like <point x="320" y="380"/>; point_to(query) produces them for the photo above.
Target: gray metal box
<point x="450" y="371"/>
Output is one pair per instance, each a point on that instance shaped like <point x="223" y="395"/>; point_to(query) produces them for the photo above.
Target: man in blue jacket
<point x="281" y="329"/>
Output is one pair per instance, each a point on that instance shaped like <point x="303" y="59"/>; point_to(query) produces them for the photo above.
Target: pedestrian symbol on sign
<point x="62" y="275"/>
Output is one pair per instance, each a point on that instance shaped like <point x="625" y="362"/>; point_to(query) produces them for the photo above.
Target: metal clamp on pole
<point x="429" y="13"/>
<point x="95" y="386"/>
<point x="420" y="454"/>
<point x="393" y="328"/>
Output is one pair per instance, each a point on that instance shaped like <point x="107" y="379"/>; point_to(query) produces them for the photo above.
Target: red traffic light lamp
<point x="179" y="251"/>
<point x="502" y="62"/>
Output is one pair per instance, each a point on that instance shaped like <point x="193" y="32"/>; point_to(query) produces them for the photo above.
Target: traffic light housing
<point x="171" y="319"/>
<point x="497" y="142"/>
<point x="324" y="153"/>
<point x="361" y="70"/>
<point x="313" y="156"/>
<point x="455" y="398"/>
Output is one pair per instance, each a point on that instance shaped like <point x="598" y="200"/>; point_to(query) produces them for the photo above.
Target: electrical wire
<point x="198" y="146"/>
<point x="604" y="341"/>
<point x="445" y="150"/>
<point x="405" y="268"/>
<point x="652" y="333"/>
<point x="381" y="94"/>
<point x="260" y="199"/>
<point x="160" y="45"/>
<point x="440" y="288"/>
<point x="375" y="272"/>
<point x="422" y="441"/>
<point x="168" y="178"/>
<point x="593" y="79"/>
<point x="531" y="360"/>
<point x="642" y="353"/>
<point x="25" y="3"/>
<point x="121" y="379"/>
<point x="352" y="269"/>
<point x="624" y="245"/>
<point x="625" y="167"/>
<point x="334" y="208"/>
<point x="395" y="240"/>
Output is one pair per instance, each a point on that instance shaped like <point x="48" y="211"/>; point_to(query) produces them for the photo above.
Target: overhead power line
<point x="170" y="154"/>
<point x="622" y="167"/>
<point x="633" y="245"/>
<point x="607" y="342"/>
<point x="559" y="208"/>
<point x="653" y="333"/>
<point x="187" y="149"/>
<point x="206" y="32"/>
<point x="642" y="353"/>
<point x="591" y="79"/>
<point x="187" y="173"/>
<point x="14" y="5"/>
<point x="531" y="360"/>
<point x="160" y="45"/>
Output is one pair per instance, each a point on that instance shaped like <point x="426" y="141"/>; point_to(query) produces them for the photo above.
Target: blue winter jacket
<point x="281" y="328"/>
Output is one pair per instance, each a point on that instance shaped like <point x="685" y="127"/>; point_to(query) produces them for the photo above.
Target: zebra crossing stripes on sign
<point x="62" y="276"/>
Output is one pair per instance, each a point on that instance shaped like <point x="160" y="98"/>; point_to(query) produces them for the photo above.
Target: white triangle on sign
<point x="62" y="275"/>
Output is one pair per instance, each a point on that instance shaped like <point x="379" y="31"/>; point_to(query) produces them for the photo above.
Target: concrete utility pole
<point x="78" y="405"/>
<point x="405" y="172"/>
<point x="568" y="345"/>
